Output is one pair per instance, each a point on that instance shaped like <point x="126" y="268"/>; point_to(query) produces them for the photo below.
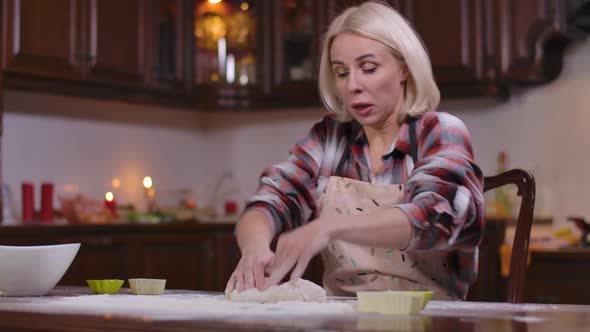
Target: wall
<point x="85" y="144"/>
<point x="543" y="129"/>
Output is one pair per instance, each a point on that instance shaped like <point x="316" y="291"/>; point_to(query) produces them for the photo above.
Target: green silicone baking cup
<point x="106" y="286"/>
<point x="427" y="296"/>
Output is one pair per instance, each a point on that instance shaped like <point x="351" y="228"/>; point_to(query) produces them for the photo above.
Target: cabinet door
<point x="522" y="29"/>
<point x="101" y="257"/>
<point x="42" y="38"/>
<point x="453" y="33"/>
<point x="186" y="262"/>
<point x="166" y="45"/>
<point x="227" y="52"/>
<point x="295" y="44"/>
<point x="1" y="99"/>
<point x="227" y="256"/>
<point x="115" y="42"/>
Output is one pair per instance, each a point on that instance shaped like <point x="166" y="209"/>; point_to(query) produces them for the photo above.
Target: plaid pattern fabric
<point x="443" y="192"/>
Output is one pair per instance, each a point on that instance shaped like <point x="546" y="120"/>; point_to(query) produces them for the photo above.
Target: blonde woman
<point x="385" y="188"/>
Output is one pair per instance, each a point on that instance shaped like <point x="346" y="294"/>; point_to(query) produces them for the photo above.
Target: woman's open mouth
<point x="362" y="109"/>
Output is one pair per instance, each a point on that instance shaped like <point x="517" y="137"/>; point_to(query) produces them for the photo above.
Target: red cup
<point x="27" y="201"/>
<point x="47" y="202"/>
<point x="231" y="207"/>
<point x="111" y="205"/>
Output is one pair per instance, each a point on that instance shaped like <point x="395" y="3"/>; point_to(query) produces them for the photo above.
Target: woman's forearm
<point x="385" y="228"/>
<point x="253" y="229"/>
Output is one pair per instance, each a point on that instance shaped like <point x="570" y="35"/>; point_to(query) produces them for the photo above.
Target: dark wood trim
<point x="62" y="231"/>
<point x="188" y="41"/>
<point x="100" y="91"/>
<point x="533" y="56"/>
<point x="265" y="38"/>
<point x="2" y="46"/>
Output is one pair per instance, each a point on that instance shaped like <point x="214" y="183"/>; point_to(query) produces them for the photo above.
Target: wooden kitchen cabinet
<point x="530" y="36"/>
<point x="262" y="53"/>
<point x="185" y="261"/>
<point x="43" y="38"/>
<point x="114" y="43"/>
<point x="182" y="253"/>
<point x="227" y="256"/>
<point x="167" y="45"/>
<point x="559" y="276"/>
<point x="188" y="255"/>
<point x="295" y="48"/>
<point x="1" y="103"/>
<point x="98" y="258"/>
<point x="456" y="38"/>
<point x="75" y="40"/>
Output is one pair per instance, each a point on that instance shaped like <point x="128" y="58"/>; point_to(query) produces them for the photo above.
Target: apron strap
<point x="343" y="160"/>
<point x="413" y="143"/>
<point x="413" y="148"/>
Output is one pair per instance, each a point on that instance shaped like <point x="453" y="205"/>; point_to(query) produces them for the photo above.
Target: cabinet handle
<point x="100" y="242"/>
<point x="209" y="255"/>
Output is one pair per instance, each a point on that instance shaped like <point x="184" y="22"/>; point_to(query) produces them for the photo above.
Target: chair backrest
<point x="518" y="262"/>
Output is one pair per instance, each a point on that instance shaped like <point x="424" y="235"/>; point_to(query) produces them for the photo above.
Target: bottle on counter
<point x="504" y="202"/>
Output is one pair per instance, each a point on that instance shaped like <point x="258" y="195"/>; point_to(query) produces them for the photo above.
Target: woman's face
<point x="368" y="79"/>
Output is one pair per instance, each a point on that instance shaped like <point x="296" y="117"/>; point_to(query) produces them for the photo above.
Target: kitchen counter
<point x="73" y="309"/>
<point x="190" y="255"/>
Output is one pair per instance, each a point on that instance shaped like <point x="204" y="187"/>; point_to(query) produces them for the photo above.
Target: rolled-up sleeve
<point x="286" y="192"/>
<point x="444" y="191"/>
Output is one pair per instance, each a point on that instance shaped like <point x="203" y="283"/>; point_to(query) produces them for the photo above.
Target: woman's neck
<point x="381" y="138"/>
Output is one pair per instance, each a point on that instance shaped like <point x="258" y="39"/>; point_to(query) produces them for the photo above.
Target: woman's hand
<point x="249" y="272"/>
<point x="295" y="249"/>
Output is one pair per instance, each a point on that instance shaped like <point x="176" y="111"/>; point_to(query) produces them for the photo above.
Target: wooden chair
<point x="518" y="262"/>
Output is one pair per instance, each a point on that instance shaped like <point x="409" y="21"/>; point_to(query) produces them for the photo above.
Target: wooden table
<point x="438" y="316"/>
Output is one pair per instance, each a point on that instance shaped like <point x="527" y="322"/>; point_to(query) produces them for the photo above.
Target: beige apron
<point x="349" y="267"/>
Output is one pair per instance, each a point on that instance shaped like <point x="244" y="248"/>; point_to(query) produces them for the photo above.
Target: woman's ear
<point x="405" y="73"/>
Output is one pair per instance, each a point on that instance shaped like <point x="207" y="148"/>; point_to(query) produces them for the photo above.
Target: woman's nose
<point x="354" y="85"/>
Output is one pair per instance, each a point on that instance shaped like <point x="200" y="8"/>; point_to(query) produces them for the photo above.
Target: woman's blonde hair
<point x="380" y="22"/>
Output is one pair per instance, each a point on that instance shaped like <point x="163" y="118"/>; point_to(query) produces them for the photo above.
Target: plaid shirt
<point x="443" y="195"/>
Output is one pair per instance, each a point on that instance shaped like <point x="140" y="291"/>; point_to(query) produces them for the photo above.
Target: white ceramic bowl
<point x="34" y="270"/>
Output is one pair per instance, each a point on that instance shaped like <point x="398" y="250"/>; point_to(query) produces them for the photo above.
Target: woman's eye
<point x="341" y="73"/>
<point x="369" y="69"/>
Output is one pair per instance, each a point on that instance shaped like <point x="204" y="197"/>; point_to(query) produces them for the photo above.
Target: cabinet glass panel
<point x="298" y="39"/>
<point x="225" y="42"/>
<point x="167" y="25"/>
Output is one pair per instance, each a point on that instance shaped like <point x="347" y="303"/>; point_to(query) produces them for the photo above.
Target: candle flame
<point x="109" y="196"/>
<point x="215" y="1"/>
<point x="147" y="182"/>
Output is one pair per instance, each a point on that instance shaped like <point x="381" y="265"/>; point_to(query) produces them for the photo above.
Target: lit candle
<point x="150" y="193"/>
<point x="147" y="182"/>
<point x="110" y="203"/>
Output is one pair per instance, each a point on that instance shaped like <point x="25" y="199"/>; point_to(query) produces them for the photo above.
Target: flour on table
<point x="178" y="305"/>
<point x="298" y="290"/>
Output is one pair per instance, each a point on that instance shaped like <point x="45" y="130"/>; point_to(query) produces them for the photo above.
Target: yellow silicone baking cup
<point x="105" y="286"/>
<point x="392" y="302"/>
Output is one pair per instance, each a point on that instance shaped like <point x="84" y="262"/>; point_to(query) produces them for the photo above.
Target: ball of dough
<point x="298" y="290"/>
